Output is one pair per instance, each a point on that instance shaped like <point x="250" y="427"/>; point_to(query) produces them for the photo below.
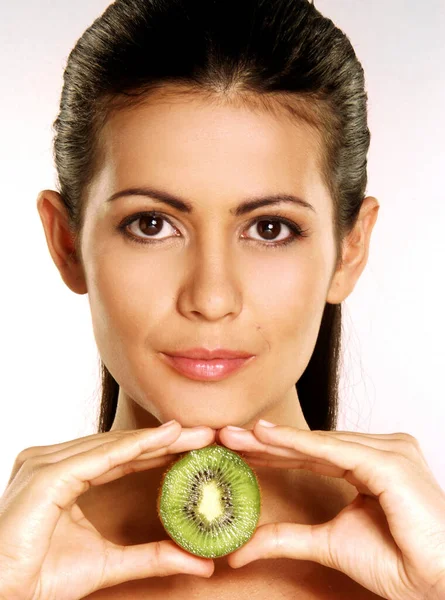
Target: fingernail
<point x="168" y="423"/>
<point x="266" y="423"/>
<point x="234" y="428"/>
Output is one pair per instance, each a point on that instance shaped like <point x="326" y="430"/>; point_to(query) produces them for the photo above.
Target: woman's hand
<point x="49" y="550"/>
<point x="390" y="539"/>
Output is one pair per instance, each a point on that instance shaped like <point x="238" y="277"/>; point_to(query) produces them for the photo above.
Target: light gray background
<point x="394" y="323"/>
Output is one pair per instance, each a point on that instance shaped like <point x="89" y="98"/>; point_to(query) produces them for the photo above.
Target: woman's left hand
<point x="390" y="539"/>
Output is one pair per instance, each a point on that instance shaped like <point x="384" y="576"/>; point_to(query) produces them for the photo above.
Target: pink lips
<point x="206" y="370"/>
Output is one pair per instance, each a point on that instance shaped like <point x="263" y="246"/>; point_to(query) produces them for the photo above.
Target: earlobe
<point x="60" y="240"/>
<point x="355" y="251"/>
<point x="337" y="291"/>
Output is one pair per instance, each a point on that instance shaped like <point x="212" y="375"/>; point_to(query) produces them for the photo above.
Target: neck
<point x="131" y="415"/>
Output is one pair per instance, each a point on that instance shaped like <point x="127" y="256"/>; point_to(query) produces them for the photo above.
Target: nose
<point x="211" y="285"/>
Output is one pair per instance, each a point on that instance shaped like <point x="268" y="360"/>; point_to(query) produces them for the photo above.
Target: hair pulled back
<point x="280" y="56"/>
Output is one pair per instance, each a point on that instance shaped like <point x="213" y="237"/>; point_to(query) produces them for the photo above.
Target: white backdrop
<point x="394" y="323"/>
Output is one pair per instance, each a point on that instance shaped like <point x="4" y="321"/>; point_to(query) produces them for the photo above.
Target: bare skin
<point x="210" y="279"/>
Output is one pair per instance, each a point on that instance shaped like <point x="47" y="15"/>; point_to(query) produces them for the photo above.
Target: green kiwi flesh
<point x="210" y="502"/>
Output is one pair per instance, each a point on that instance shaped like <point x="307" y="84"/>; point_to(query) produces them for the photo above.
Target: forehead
<point x="208" y="151"/>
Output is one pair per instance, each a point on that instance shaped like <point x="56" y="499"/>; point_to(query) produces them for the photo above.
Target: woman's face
<point x="207" y="277"/>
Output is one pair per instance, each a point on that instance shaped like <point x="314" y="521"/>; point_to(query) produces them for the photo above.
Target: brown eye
<point x="148" y="227"/>
<point x="269" y="229"/>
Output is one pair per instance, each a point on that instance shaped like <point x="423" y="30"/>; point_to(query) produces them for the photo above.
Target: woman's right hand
<point x="49" y="550"/>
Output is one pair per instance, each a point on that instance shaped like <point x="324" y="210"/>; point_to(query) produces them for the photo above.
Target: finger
<point x="65" y="449"/>
<point x="278" y="540"/>
<point x="188" y="440"/>
<point x="134" y="466"/>
<point x="156" y="559"/>
<point x="304" y="464"/>
<point x="34" y="451"/>
<point x="397" y="442"/>
<point x="371" y="470"/>
<point x="42" y="492"/>
<point x="250" y="447"/>
<point x="57" y="452"/>
<point x="260" y="454"/>
<point x="308" y="465"/>
<point x="315" y="543"/>
<point x="41" y="450"/>
<point x="359" y="464"/>
<point x="247" y="441"/>
<point x="388" y="436"/>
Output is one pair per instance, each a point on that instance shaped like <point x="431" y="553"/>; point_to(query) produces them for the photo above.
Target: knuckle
<point x="157" y="558"/>
<point x="25" y="455"/>
<point x="409" y="446"/>
<point x="39" y="473"/>
<point x="31" y="465"/>
<point x="415" y="442"/>
<point x="50" y="479"/>
<point x="408" y="438"/>
<point x="22" y="463"/>
<point x="277" y="538"/>
<point x="126" y="468"/>
<point x="23" y="471"/>
<point x="325" y="444"/>
<point x="111" y="457"/>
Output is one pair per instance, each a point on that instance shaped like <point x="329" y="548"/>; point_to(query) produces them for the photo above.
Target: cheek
<point x="128" y="295"/>
<point x="289" y="294"/>
<point x="288" y="298"/>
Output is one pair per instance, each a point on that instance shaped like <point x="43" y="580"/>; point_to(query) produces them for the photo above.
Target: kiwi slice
<point x="209" y="501"/>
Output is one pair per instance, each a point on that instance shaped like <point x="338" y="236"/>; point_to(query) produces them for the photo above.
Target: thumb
<point x="156" y="559"/>
<point x="284" y="540"/>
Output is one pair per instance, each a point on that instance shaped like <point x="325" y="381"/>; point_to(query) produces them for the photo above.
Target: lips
<point x="206" y="354"/>
<point x="206" y="370"/>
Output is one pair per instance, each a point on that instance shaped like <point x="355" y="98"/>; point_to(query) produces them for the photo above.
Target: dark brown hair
<point x="281" y="56"/>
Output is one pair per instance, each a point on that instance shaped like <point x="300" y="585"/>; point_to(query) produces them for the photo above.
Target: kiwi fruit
<point x="209" y="501"/>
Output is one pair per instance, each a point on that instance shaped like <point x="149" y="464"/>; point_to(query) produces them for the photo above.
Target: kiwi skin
<point x="206" y="546"/>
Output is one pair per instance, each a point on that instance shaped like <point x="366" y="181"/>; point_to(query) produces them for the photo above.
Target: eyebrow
<point x="183" y="206"/>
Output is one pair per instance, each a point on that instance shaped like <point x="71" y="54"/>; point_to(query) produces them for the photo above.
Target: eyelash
<point x="296" y="230"/>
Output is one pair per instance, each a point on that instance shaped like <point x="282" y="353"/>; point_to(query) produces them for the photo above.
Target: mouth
<point x="200" y="369"/>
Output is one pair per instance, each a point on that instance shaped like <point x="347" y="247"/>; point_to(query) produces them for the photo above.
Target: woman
<point x="212" y="171"/>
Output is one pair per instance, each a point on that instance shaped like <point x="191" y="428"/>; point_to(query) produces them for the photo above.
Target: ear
<point x="355" y="252"/>
<point x="60" y="240"/>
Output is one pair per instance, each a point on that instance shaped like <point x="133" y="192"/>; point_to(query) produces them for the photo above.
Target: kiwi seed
<point x="209" y="501"/>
